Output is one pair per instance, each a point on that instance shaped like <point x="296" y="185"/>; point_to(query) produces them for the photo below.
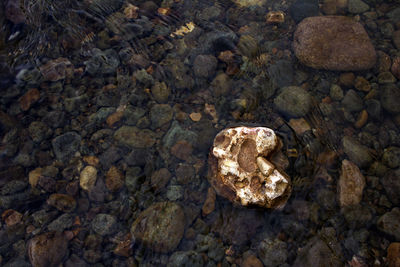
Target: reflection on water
<point x="108" y="111"/>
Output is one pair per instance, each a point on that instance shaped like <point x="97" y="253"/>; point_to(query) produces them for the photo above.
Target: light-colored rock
<point x="88" y="178"/>
<point x="351" y="184"/>
<point x="240" y="168"/>
<point x="333" y="43"/>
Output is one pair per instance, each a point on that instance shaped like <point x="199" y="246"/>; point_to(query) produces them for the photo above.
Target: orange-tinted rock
<point x="29" y="98"/>
<point x="91" y="160"/>
<point x="251" y="261"/>
<point x="351" y="184"/>
<point x="114" y="118"/>
<point x="62" y="202"/>
<point x="123" y="247"/>
<point x="393" y="255"/>
<point x="11" y="217"/>
<point x="182" y="150"/>
<point x="47" y="249"/>
<point x="114" y="179"/>
<point x="160" y="178"/>
<point x="333" y="43"/>
<point x="396" y="67"/>
<point x="209" y="204"/>
<point x="241" y="169"/>
<point x="56" y="69"/>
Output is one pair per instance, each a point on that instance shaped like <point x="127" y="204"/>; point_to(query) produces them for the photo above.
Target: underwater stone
<point x="241" y="171"/>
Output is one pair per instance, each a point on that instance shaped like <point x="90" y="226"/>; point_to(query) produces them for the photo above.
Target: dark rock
<point x="281" y="73"/>
<point x="65" y="146"/>
<point x="110" y="156"/>
<point x="160" y="114"/>
<point x="391" y="183"/>
<point x="204" y="66"/>
<point x="390" y="98"/>
<point x="160" y="227"/>
<point x="389" y="223"/>
<point x="62" y="202"/>
<point x="374" y="109"/>
<point x="356" y="152"/>
<point x="293" y="101"/>
<point x="102" y="62"/>
<point x="318" y="253"/>
<point x="135" y="137"/>
<point x="61" y="223"/>
<point x="175" y="133"/>
<point x="391" y="157"/>
<point x="47" y="249"/>
<point x="303" y="8"/>
<point x="272" y="252"/>
<point x="104" y="224"/>
<point x="185" y="258"/>
<point x="352" y="102"/>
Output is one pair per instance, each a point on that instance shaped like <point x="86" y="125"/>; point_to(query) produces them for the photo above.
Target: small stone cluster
<point x="240" y="168"/>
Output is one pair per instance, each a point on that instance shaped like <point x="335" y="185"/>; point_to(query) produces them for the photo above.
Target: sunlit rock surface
<point x="240" y="168"/>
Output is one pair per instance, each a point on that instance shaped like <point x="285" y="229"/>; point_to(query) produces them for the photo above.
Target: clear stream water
<point x="108" y="111"/>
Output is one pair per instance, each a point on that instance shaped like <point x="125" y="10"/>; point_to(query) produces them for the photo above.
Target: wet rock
<point x="160" y="92"/>
<point x="336" y="92"/>
<point x="333" y="43"/>
<point x="247" y="45"/>
<point x="175" y="133"/>
<point x="144" y="78"/>
<point x="396" y="39"/>
<point x="13" y="187"/>
<point x="56" y="69"/>
<point x="389" y="223"/>
<point x="160" y="227"/>
<point x="159" y="179"/>
<point x="88" y="178"/>
<point x="356" y="152"/>
<point x="391" y="157"/>
<point x="386" y="77"/>
<point x="352" y="102"/>
<point x="272" y="252"/>
<point x="357" y="216"/>
<point x="204" y="66"/>
<point x="114" y="179"/>
<point x="374" y="109"/>
<point x="38" y="131"/>
<point x="132" y="177"/>
<point x="134" y="137"/>
<point x="395" y="69"/>
<point x="317" y="253"/>
<point x="174" y="192"/>
<point x="248" y="3"/>
<point x="29" y="98"/>
<point x="65" y="145"/>
<point x="251" y="261"/>
<point x="390" y="98"/>
<point x="293" y="101"/>
<point x="102" y="62"/>
<point x="160" y="114"/>
<point x="304" y="8"/>
<point x="209" y="203"/>
<point x="47" y="249"/>
<point x="11" y="217"/>
<point x="391" y="184"/>
<point x="61" y="223"/>
<point x="393" y="254"/>
<point x="62" y="202"/>
<point x="185" y="258"/>
<point x="221" y="84"/>
<point x="240" y="170"/>
<point x="357" y="6"/>
<point x="13" y="11"/>
<point x="182" y="150"/>
<point x="281" y="73"/>
<point x="351" y="184"/>
<point x="104" y="224"/>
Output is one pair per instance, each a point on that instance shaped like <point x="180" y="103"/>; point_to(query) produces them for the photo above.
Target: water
<point x="109" y="110"/>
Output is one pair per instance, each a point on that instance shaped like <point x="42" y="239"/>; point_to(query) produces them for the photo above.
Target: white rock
<point x="240" y="168"/>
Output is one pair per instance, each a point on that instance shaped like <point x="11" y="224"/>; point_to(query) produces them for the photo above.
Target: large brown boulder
<point x="333" y="43"/>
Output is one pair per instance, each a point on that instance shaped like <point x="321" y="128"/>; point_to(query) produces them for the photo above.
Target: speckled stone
<point x="333" y="43"/>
